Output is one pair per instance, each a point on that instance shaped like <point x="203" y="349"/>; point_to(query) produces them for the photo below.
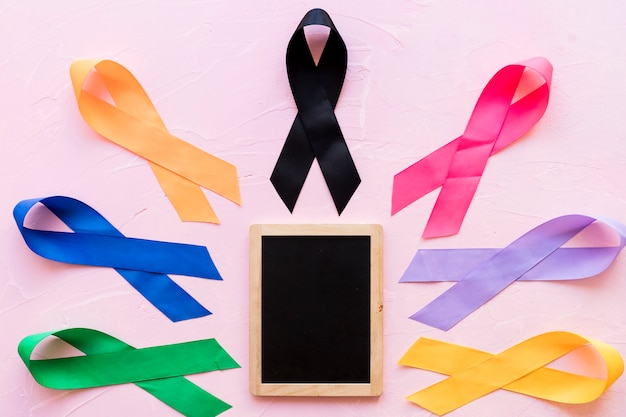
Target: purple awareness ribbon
<point x="480" y="274"/>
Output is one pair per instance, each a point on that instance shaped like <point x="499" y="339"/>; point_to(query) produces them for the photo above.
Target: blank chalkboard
<point x="316" y="310"/>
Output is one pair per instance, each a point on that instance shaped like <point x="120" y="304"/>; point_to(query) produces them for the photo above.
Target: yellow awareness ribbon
<point x="521" y="368"/>
<point x="133" y="123"/>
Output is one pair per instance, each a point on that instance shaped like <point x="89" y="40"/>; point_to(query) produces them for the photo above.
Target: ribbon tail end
<point x="396" y="207"/>
<point x="184" y="317"/>
<point x="414" y="398"/>
<point x="432" y="323"/>
<point x="431" y="231"/>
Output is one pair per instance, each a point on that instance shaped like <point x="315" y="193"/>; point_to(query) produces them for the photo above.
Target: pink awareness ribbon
<point x="496" y="122"/>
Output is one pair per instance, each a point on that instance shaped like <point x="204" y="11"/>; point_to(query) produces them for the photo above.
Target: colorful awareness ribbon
<point x="521" y="368"/>
<point x="315" y="132"/>
<point x="134" y="124"/>
<point x="536" y="255"/>
<point x="143" y="263"/>
<point x="159" y="370"/>
<point x="496" y="122"/>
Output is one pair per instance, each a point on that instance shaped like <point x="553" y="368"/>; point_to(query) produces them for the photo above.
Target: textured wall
<point x="216" y="72"/>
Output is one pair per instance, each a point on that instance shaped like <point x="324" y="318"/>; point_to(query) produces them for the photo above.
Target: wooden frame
<point x="331" y="388"/>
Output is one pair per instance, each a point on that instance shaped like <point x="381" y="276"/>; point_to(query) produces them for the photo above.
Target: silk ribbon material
<point x="143" y="263"/>
<point x="537" y="255"/>
<point x="521" y="368"/>
<point x="497" y="121"/>
<point x="315" y="132"/>
<point x="134" y="124"/>
<point x="159" y="370"/>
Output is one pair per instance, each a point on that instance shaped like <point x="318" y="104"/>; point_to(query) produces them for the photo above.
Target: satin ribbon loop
<point x="521" y="368"/>
<point x="496" y="122"/>
<point x="315" y="132"/>
<point x="158" y="370"/>
<point x="482" y="273"/>
<point x="133" y="123"/>
<point x="143" y="263"/>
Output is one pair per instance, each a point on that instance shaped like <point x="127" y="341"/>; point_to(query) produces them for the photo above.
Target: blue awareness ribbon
<point x="143" y="263"/>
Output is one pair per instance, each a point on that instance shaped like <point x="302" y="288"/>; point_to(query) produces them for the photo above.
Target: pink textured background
<point x="216" y="73"/>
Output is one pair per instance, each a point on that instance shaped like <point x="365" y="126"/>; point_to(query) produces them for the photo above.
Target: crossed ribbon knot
<point x="483" y="273"/>
<point x="496" y="122"/>
<point x="521" y="368"/>
<point x="134" y="124"/>
<point x="158" y="370"/>
<point x="143" y="263"/>
<point x="315" y="132"/>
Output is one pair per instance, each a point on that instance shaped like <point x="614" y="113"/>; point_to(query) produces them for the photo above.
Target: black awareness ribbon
<point x="315" y="132"/>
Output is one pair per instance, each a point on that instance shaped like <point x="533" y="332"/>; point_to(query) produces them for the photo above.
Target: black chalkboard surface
<point x="316" y="310"/>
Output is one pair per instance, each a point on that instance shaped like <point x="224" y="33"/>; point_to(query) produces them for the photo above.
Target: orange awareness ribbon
<point x="134" y="124"/>
<point x="520" y="369"/>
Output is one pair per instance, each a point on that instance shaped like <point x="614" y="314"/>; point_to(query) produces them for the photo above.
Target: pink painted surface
<point x="216" y="73"/>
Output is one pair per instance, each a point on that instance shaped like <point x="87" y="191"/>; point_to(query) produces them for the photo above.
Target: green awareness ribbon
<point x="158" y="370"/>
